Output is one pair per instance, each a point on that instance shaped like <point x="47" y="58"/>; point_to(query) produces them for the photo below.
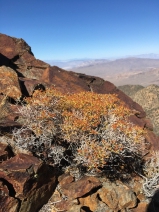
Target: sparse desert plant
<point x="85" y="129"/>
<point x="151" y="174"/>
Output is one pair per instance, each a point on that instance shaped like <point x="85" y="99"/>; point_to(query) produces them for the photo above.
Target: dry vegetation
<point x="86" y="130"/>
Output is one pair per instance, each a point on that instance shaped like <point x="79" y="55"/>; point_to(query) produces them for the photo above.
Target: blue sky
<point x="67" y="29"/>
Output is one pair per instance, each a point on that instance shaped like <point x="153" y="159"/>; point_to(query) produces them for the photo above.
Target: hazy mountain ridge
<point x="148" y="97"/>
<point x="125" y="71"/>
<point x="141" y="69"/>
<point x="75" y="63"/>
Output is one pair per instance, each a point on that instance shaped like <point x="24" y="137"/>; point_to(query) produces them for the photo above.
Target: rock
<point x="64" y="81"/>
<point x="9" y="84"/>
<point x="66" y="205"/>
<point x="126" y="198"/>
<point x="102" y="207"/>
<point x="8" y="204"/>
<point x="56" y="197"/>
<point x="28" y="183"/>
<point x="81" y="187"/>
<point x="75" y="208"/>
<point x="109" y="196"/>
<point x="142" y="207"/>
<point x="11" y="47"/>
<point x="137" y="186"/>
<point x="17" y="54"/>
<point x="65" y="179"/>
<point x="4" y="107"/>
<point x="117" y="196"/>
<point x="29" y="85"/>
<point x="139" y="122"/>
<point x="5" y="152"/>
<point x="90" y="201"/>
<point x="7" y="125"/>
<point x="153" y="140"/>
<point x="29" y="67"/>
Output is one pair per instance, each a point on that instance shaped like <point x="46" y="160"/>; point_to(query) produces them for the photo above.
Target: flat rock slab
<point x="81" y="187"/>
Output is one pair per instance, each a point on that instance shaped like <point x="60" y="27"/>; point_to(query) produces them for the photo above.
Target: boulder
<point x="117" y="196"/>
<point x="17" y="54"/>
<point x="64" y="179"/>
<point x="24" y="177"/>
<point x="142" y="207"/>
<point x="9" y="204"/>
<point x="81" y="187"/>
<point x="29" y="85"/>
<point x="90" y="201"/>
<point x="5" y="152"/>
<point x="9" y="83"/>
<point x="109" y="196"/>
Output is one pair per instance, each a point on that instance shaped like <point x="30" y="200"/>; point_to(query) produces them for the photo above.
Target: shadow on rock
<point x="154" y="204"/>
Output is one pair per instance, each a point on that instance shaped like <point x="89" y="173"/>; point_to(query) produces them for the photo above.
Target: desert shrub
<point x="151" y="174"/>
<point x="85" y="129"/>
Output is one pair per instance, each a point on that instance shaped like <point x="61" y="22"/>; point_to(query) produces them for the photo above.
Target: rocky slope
<point x="148" y="97"/>
<point x="26" y="182"/>
<point x="130" y="90"/>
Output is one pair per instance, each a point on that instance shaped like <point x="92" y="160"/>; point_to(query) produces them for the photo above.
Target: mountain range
<point x="131" y="70"/>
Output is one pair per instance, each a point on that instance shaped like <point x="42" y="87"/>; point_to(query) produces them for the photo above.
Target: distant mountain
<point x="148" y="97"/>
<point x="125" y="71"/>
<point x="75" y="63"/>
<point x="150" y="56"/>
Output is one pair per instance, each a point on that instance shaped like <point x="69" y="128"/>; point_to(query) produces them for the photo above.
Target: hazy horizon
<point x="148" y="55"/>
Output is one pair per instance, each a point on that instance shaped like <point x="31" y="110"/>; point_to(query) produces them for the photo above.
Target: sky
<point x="69" y="29"/>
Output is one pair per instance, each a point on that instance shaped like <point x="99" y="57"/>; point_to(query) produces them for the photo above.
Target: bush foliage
<point x="84" y="129"/>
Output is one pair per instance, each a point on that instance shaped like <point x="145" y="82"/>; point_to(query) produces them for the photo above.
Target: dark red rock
<point x="153" y="140"/>
<point x="11" y="47"/>
<point x="8" y="204"/>
<point x="65" y="179"/>
<point x="17" y="54"/>
<point x="8" y="125"/>
<point x="135" y="120"/>
<point x="29" y="66"/>
<point x="5" y="152"/>
<point x="64" y="81"/>
<point x="31" y="181"/>
<point x="31" y="85"/>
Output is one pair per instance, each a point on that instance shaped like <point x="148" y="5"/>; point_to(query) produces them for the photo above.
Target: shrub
<point x="85" y="129"/>
<point x="151" y="174"/>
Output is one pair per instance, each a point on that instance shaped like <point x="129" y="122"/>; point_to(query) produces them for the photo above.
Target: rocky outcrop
<point x="26" y="182"/>
<point x="17" y="54"/>
<point x="24" y="185"/>
<point x="9" y="83"/>
<point x="96" y="194"/>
